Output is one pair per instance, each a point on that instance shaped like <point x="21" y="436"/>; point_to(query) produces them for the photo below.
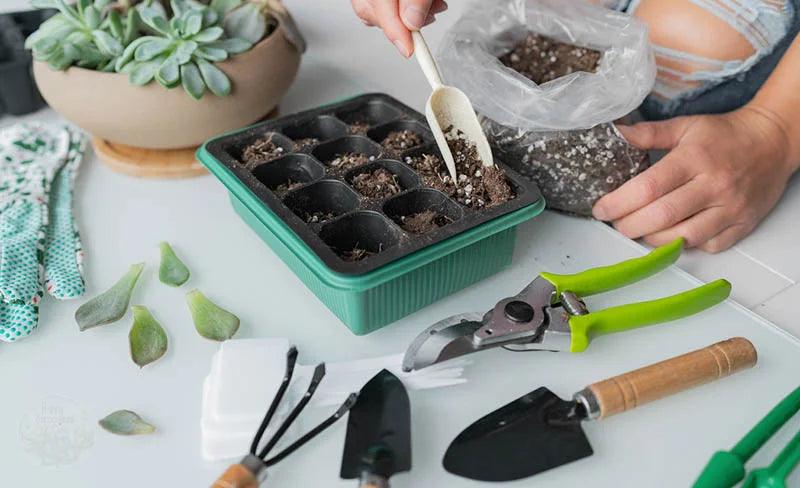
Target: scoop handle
<point x="236" y="476"/>
<point x="659" y="380"/>
<point x="425" y="60"/>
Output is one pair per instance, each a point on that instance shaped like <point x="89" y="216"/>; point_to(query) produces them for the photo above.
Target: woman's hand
<point x="722" y="175"/>
<point x="397" y="18"/>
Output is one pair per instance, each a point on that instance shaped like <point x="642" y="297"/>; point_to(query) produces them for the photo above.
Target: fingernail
<point x="414" y="17"/>
<point x="400" y="47"/>
<point x="599" y="212"/>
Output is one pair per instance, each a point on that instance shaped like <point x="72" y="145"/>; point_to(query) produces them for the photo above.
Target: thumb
<point x="664" y="134"/>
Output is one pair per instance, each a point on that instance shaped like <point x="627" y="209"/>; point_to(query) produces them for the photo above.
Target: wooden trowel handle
<point x="629" y="390"/>
<point x="236" y="476"/>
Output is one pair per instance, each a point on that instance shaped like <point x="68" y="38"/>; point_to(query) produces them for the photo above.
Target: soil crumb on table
<point x="541" y="59"/>
<point x="380" y="183"/>
<point x="478" y="186"/>
<point x="355" y="254"/>
<point x="317" y="217"/>
<point x="261" y="151"/>
<point x="285" y="188"/>
<point x="401" y="140"/>
<point x="358" y="127"/>
<point x="423" y="222"/>
<point x="348" y="161"/>
<point x="305" y="143"/>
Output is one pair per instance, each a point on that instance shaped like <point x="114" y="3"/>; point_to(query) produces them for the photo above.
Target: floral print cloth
<point x="39" y="243"/>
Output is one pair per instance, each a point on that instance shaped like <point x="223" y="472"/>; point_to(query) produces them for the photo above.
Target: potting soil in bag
<point x="548" y="77"/>
<point x="572" y="168"/>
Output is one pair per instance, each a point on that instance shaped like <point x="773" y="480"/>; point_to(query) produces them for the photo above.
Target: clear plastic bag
<point x="468" y="58"/>
<point x="572" y="168"/>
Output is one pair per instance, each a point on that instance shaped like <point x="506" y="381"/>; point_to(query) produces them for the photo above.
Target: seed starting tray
<point x="354" y="221"/>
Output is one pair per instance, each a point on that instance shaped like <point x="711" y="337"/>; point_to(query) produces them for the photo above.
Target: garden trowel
<point x="449" y="111"/>
<point x="378" y="442"/>
<point x="540" y="431"/>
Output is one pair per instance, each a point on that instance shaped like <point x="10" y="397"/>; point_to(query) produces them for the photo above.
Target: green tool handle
<point x="767" y="427"/>
<point x="783" y="465"/>
<point x="726" y="468"/>
<point x="605" y="278"/>
<point x="635" y="315"/>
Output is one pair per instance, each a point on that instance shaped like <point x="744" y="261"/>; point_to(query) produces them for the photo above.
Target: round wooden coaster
<point x="148" y="163"/>
<point x="151" y="163"/>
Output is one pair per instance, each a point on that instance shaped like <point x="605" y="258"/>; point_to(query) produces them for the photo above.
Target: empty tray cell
<point x="264" y="148"/>
<point x="289" y="172"/>
<point x="361" y="118"/>
<point x="382" y="179"/>
<point x="400" y="136"/>
<point x="322" y="201"/>
<point x="422" y="211"/>
<point x="359" y="235"/>
<point x="346" y="153"/>
<point x="320" y="129"/>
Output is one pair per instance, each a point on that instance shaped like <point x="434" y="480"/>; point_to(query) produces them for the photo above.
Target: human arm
<point x="723" y="173"/>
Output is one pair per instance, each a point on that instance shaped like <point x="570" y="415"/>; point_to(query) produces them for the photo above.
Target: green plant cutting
<point x="148" y="340"/>
<point x="111" y="305"/>
<point x="171" y="271"/>
<point x="126" y="422"/>
<point x="175" y="43"/>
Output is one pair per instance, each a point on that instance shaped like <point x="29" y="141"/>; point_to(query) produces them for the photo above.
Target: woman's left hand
<point x="722" y="175"/>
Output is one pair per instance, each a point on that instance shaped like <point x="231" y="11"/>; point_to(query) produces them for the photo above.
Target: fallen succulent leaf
<point x="172" y="271"/>
<point x="147" y="338"/>
<point x="111" y="305"/>
<point x="211" y="321"/>
<point x="125" y="422"/>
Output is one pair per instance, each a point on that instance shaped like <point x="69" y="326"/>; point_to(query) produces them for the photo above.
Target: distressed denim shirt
<point x="715" y="86"/>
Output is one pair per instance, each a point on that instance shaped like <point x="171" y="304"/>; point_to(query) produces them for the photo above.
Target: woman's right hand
<point x="397" y="18"/>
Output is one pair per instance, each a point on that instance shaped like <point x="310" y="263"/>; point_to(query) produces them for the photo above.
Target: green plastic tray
<point x="368" y="301"/>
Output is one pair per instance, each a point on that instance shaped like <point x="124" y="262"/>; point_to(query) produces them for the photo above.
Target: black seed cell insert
<point x="288" y="172"/>
<point x="360" y="235"/>
<point x="354" y="199"/>
<point x="308" y="134"/>
<point x="346" y="153"/>
<point x="382" y="179"/>
<point x="268" y="147"/>
<point x="322" y="201"/>
<point x="400" y="136"/>
<point x="422" y="211"/>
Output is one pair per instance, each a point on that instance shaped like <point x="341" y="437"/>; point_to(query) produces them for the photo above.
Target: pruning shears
<point x="549" y="314"/>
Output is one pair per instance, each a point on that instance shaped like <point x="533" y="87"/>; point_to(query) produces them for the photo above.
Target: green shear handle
<point x="634" y="315"/>
<point x="606" y="278"/>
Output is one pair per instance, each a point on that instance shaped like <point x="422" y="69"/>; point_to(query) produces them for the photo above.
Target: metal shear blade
<point x="446" y="339"/>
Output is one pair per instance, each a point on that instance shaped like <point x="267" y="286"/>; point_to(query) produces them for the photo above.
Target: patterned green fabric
<point x="38" y="239"/>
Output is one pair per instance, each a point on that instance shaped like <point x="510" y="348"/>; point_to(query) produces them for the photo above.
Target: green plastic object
<point x="634" y="315"/>
<point x="605" y="278"/>
<point x="367" y="302"/>
<point x="774" y="475"/>
<point x="726" y="468"/>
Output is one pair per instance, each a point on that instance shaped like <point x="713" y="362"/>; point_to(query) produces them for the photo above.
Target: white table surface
<point x="122" y="219"/>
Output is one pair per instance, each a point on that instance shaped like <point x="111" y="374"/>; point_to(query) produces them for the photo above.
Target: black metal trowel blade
<point x="378" y="430"/>
<point x="518" y="440"/>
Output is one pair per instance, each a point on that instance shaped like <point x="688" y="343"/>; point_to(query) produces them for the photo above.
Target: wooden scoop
<point x="448" y="106"/>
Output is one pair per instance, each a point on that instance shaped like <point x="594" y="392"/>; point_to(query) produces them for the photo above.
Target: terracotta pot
<point x="151" y="116"/>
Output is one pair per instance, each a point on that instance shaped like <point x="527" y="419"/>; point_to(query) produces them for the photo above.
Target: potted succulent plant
<point x="164" y="75"/>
